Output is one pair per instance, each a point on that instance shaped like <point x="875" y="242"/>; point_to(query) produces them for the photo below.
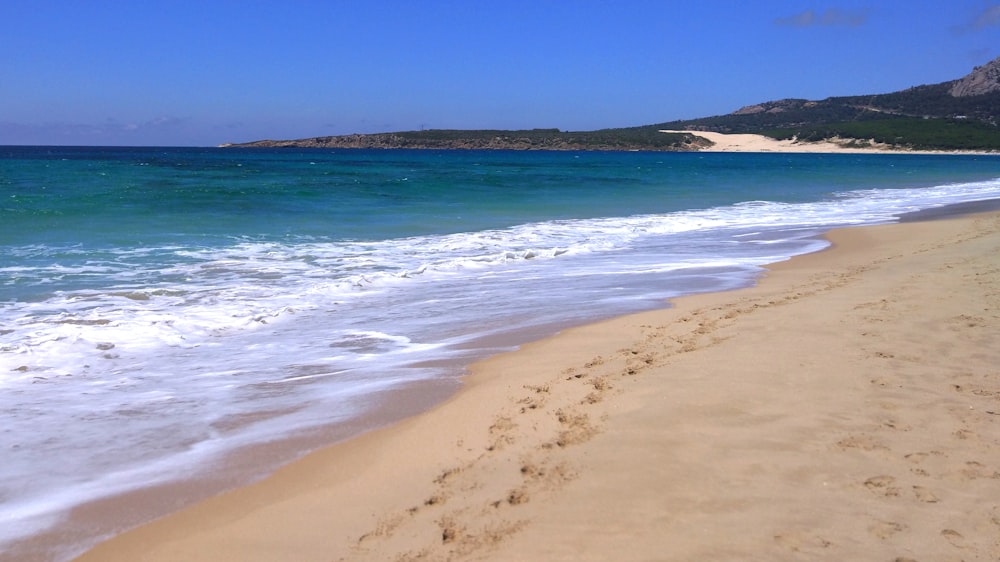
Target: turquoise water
<point x="162" y="307"/>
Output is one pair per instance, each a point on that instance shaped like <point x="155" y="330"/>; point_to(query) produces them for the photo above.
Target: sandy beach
<point x="846" y="408"/>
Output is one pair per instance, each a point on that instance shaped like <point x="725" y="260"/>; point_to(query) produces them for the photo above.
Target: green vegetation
<point x="907" y="132"/>
<point x="605" y="139"/>
<point x="923" y="118"/>
<point x="638" y="138"/>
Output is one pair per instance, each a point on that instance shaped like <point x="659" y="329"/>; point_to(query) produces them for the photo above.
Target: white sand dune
<point x="760" y="143"/>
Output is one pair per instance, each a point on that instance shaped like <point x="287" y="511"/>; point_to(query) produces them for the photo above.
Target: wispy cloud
<point x="155" y="123"/>
<point x="831" y="17"/>
<point x="987" y="18"/>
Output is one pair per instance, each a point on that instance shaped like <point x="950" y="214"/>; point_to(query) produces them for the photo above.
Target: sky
<point x="206" y="72"/>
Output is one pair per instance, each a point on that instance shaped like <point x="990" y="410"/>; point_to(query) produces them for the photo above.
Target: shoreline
<point x="513" y="462"/>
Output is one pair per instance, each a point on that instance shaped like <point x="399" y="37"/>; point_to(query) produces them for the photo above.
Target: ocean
<point x="164" y="309"/>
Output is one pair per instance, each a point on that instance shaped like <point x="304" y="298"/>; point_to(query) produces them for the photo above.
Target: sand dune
<point x="760" y="143"/>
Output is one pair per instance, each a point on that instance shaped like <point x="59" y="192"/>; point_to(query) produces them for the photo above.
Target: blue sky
<point x="200" y="73"/>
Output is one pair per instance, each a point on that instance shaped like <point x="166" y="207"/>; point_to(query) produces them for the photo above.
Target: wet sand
<point x="848" y="407"/>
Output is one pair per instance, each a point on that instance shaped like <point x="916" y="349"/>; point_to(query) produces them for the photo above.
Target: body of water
<point x="162" y="308"/>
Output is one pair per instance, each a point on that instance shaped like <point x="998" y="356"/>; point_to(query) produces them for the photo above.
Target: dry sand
<point x="847" y="408"/>
<point x="760" y="143"/>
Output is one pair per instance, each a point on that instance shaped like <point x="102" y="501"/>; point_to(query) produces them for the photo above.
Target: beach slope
<point x="847" y="408"/>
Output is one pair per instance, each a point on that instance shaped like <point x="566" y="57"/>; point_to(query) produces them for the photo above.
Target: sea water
<point x="163" y="307"/>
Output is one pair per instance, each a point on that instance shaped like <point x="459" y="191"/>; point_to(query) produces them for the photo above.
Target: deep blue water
<point x="153" y="300"/>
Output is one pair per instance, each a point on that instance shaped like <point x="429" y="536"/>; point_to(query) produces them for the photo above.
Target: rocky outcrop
<point x="982" y="80"/>
<point x="775" y="106"/>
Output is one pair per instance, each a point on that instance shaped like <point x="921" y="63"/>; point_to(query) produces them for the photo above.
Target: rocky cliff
<point x="982" y="80"/>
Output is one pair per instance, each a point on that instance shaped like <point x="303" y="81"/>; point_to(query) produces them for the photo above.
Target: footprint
<point x="799" y="542"/>
<point x="383" y="528"/>
<point x="975" y="469"/>
<point x="964" y="434"/>
<point x="502" y="432"/>
<point x="953" y="536"/>
<point x="924" y="495"/>
<point x="450" y="530"/>
<point x="600" y="384"/>
<point x="886" y="529"/>
<point x="863" y="442"/>
<point x="577" y="428"/>
<point x="883" y="486"/>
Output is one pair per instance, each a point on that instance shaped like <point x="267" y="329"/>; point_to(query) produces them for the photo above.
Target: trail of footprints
<point x="552" y="425"/>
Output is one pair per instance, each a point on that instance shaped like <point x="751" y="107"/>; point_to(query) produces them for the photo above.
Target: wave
<point x="184" y="297"/>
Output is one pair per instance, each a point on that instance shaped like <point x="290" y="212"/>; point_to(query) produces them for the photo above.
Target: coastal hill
<point x="956" y="115"/>
<point x="636" y="138"/>
<point x="959" y="114"/>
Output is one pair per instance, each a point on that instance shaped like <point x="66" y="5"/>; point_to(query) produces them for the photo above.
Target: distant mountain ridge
<point x="960" y="114"/>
